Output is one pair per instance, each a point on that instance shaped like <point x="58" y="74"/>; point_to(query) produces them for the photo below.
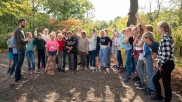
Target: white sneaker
<point x="11" y="76"/>
<point x="93" y="68"/>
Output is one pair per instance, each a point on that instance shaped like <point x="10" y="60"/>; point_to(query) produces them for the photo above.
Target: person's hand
<point x="137" y="16"/>
<point x="159" y="69"/>
<point x="9" y="46"/>
<point x="57" y="53"/>
<point x="87" y="52"/>
<point x="29" y="40"/>
<point x="34" y="49"/>
<point x="71" y="48"/>
<point x="47" y="54"/>
<point x="64" y="30"/>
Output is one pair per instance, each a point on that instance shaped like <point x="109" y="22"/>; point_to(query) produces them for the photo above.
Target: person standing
<point x="74" y="35"/>
<point x="83" y="47"/>
<point x="30" y="47"/>
<point x="165" y="64"/>
<point x="108" y="49"/>
<point x="15" y="57"/>
<point x="40" y="46"/>
<point x="71" y="47"/>
<point x="92" y="50"/>
<point x="61" y="43"/>
<point x="104" y="44"/>
<point x="20" y="44"/>
<point x="10" y="52"/>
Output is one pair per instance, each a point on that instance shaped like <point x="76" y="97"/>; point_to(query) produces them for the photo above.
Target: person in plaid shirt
<point x="165" y="63"/>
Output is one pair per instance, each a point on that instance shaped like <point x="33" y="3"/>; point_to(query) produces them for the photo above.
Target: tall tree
<point x="65" y="9"/>
<point x="133" y="10"/>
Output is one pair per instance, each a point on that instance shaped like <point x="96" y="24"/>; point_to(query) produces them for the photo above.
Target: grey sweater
<point x="83" y="44"/>
<point x="20" y="41"/>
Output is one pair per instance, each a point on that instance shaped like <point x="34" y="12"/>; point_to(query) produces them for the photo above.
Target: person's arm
<point x="118" y="33"/>
<point x="77" y="36"/>
<point x="146" y="50"/>
<point x="20" y="38"/>
<point x="141" y="22"/>
<point x="154" y="56"/>
<point x="87" y="47"/>
<point x="136" y="44"/>
<point x="47" y="51"/>
<point x="126" y="40"/>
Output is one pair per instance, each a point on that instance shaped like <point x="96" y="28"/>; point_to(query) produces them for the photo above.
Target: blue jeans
<point x="130" y="62"/>
<point x="119" y="58"/>
<point x="15" y="60"/>
<point x="31" y="60"/>
<point x="92" y="55"/>
<point x="108" y="56"/>
<point x="21" y="56"/>
<point x="64" y="59"/>
<point x="60" y="60"/>
<point x="150" y="72"/>
<point x="103" y="57"/>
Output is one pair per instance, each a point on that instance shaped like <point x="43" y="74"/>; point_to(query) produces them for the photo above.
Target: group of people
<point x="134" y="51"/>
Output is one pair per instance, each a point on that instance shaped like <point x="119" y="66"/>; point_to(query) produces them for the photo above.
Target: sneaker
<point x="91" y="67"/>
<point x="136" y="78"/>
<point x="137" y="84"/>
<point x="114" y="66"/>
<point x="126" y="79"/>
<point x="141" y="87"/>
<point x="121" y="70"/>
<point x="149" y="92"/>
<point x="31" y="72"/>
<point x="154" y="97"/>
<point x="162" y="99"/>
<point x="94" y="68"/>
<point x="11" y="76"/>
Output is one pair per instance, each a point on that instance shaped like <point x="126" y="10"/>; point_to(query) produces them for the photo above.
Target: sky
<point x="110" y="9"/>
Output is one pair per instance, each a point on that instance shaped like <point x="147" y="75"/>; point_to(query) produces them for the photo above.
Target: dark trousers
<point x="41" y="58"/>
<point x="83" y="59"/>
<point x="75" y="61"/>
<point x="165" y="74"/>
<point x="119" y="58"/>
<point x="71" y="61"/>
<point x="87" y="60"/>
<point x="15" y="60"/>
<point x="21" y="56"/>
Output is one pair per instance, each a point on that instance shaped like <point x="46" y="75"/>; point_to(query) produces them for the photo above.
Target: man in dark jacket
<point x="20" y="44"/>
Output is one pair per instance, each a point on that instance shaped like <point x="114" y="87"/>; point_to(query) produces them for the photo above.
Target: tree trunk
<point x="133" y="10"/>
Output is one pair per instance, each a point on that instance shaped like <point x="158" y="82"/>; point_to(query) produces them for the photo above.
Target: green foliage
<point x="64" y="9"/>
<point x="174" y="20"/>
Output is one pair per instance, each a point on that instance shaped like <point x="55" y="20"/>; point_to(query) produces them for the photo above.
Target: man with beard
<point x="20" y="44"/>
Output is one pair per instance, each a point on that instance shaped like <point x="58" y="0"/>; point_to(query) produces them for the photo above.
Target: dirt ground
<point x="85" y="86"/>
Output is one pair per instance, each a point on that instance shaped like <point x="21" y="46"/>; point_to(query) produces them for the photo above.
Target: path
<point x="85" y="86"/>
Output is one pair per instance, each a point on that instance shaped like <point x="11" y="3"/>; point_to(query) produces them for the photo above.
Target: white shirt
<point x="90" y="44"/>
<point x="139" y="41"/>
<point x="45" y="37"/>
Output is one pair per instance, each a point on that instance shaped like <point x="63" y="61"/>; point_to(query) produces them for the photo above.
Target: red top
<point x="61" y="44"/>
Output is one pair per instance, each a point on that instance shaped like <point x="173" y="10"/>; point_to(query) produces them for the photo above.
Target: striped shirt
<point x="166" y="50"/>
